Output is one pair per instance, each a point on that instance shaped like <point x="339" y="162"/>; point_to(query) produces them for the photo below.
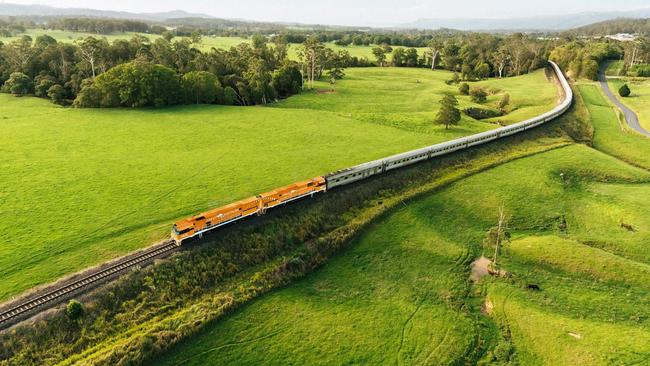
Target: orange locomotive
<point x="201" y="223"/>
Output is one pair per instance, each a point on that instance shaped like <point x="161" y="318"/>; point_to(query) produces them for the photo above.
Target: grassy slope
<point x="357" y="308"/>
<point x="66" y="208"/>
<point x="639" y="100"/>
<point x="567" y="206"/>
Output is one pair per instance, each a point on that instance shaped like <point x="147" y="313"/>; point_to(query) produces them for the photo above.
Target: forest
<point x="173" y="69"/>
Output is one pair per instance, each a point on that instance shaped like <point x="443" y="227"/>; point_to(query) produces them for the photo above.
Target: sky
<point x="353" y="12"/>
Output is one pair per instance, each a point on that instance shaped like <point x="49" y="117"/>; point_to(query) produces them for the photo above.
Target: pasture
<point x="401" y="294"/>
<point x="639" y="100"/>
<point x="580" y="224"/>
<point x="82" y="186"/>
<point x="207" y="42"/>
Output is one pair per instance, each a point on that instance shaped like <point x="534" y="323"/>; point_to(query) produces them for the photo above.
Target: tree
<point x="312" y="56"/>
<point x="43" y="85"/>
<point x="463" y="89"/>
<point x="259" y="81"/>
<point x="448" y="114"/>
<point x="478" y="95"/>
<point x="624" y="91"/>
<point x="167" y="36"/>
<point x="74" y="310"/>
<point x="497" y="236"/>
<point x="91" y="50"/>
<point x="18" y="84"/>
<point x="500" y="60"/>
<point x="229" y="96"/>
<point x="287" y="80"/>
<point x="201" y="87"/>
<point x="434" y="48"/>
<point x="56" y="94"/>
<point x="134" y="84"/>
<point x="380" y="55"/>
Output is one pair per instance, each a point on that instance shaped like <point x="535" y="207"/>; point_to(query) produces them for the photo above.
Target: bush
<point x="624" y="91"/>
<point x="74" y="310"/>
<point x="505" y="100"/>
<point x="133" y="84"/>
<point x="464" y="89"/>
<point x="43" y="86"/>
<point x="56" y="93"/>
<point x="478" y="95"/>
<point x="18" y="84"/>
<point x="201" y="87"/>
<point x="481" y="113"/>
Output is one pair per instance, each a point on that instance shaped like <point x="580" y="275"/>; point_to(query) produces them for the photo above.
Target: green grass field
<point x="639" y="100"/>
<point x="82" y="186"/>
<point x="580" y="224"/>
<point x="207" y="43"/>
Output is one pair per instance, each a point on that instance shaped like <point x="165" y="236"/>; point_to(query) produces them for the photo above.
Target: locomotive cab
<point x="180" y="232"/>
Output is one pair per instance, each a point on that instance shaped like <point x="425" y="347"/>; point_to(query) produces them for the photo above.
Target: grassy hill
<point x="83" y="186"/>
<point x="580" y="224"/>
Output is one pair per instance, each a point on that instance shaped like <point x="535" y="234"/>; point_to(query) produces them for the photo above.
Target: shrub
<point x="478" y="95"/>
<point x="74" y="310"/>
<point x="481" y="113"/>
<point x="43" y="86"/>
<point x="18" y="84"/>
<point x="56" y="93"/>
<point x="464" y="89"/>
<point x="505" y="100"/>
<point x="624" y="91"/>
<point x="201" y="87"/>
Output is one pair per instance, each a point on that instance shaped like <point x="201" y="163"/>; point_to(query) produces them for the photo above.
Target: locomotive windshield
<point x="177" y="232"/>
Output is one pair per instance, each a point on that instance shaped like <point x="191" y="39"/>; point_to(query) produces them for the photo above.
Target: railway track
<point x="54" y="296"/>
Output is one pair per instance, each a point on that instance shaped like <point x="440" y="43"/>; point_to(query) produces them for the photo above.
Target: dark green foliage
<point x="624" y="91"/>
<point x="481" y="113"/>
<point x="42" y="86"/>
<point x="18" y="84"/>
<point x="74" y="310"/>
<point x="134" y="84"/>
<point x="463" y="89"/>
<point x="478" y="95"/>
<point x="201" y="87"/>
<point x="448" y="114"/>
<point x="287" y="80"/>
<point x="229" y="96"/>
<point x="56" y="93"/>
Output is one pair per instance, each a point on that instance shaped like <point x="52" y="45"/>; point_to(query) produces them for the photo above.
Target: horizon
<point x="381" y="14"/>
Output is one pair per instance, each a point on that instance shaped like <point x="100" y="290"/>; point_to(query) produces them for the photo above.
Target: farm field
<point x="639" y="100"/>
<point x="66" y="208"/>
<point x="207" y="43"/>
<point x="580" y="222"/>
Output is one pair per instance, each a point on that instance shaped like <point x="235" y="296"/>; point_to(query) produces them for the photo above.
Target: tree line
<point x="92" y="72"/>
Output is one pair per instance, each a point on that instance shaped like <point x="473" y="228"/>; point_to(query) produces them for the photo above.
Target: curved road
<point x="630" y="116"/>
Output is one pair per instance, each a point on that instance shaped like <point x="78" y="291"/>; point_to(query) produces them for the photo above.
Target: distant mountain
<point x="7" y="9"/>
<point x="615" y="26"/>
<point x="542" y="23"/>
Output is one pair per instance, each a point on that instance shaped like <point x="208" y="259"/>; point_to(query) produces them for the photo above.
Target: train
<point x="197" y="225"/>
